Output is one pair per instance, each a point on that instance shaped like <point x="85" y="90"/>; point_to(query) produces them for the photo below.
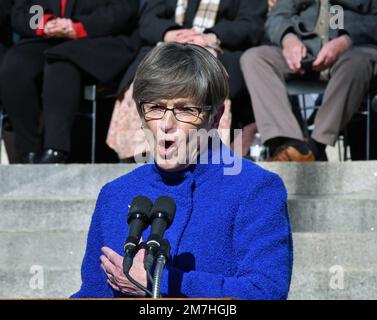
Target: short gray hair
<point x="173" y="70"/>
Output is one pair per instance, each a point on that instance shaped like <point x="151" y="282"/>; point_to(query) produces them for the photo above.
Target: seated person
<point x="231" y="234"/>
<point x="306" y="45"/>
<point x="224" y="27"/>
<point x="5" y="29"/>
<point x="75" y="41"/>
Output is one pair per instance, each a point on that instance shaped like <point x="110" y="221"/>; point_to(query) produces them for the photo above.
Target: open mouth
<point x="167" y="147"/>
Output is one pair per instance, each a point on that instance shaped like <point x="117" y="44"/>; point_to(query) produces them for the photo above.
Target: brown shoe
<point x="287" y="153"/>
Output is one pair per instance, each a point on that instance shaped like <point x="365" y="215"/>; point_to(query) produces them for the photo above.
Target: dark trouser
<point x="29" y="84"/>
<point x="241" y="104"/>
<point x="266" y="71"/>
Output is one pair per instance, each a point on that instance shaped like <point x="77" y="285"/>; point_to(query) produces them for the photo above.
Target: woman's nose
<point x="168" y="122"/>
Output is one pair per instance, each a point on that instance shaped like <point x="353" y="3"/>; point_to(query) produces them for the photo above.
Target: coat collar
<point x="197" y="173"/>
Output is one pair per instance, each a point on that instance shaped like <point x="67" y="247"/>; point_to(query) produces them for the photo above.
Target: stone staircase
<point x="333" y="210"/>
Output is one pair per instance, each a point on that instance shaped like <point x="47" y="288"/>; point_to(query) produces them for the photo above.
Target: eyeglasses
<point x="183" y="113"/>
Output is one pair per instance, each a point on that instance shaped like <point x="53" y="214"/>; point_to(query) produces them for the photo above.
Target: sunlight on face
<point x="170" y="138"/>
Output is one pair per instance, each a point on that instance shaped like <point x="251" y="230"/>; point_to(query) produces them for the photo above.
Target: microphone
<point x="138" y="220"/>
<point x="162" y="216"/>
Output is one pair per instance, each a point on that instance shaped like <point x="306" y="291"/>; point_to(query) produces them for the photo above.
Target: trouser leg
<point x="61" y="100"/>
<point x="20" y="79"/>
<point x="265" y="71"/>
<point x="349" y="82"/>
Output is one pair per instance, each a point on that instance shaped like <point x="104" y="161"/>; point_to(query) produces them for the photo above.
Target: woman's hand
<point x="112" y="264"/>
<point x="204" y="40"/>
<point x="60" y="28"/>
<point x="181" y="35"/>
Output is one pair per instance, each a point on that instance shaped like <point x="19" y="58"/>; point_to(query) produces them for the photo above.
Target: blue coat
<point x="231" y="235"/>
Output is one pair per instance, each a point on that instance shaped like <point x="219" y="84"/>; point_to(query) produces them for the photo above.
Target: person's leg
<point x="241" y="111"/>
<point x="20" y="79"/>
<point x="350" y="79"/>
<point x="265" y="71"/>
<point x="61" y="100"/>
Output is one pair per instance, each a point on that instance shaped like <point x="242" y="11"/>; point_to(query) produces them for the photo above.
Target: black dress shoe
<point x="51" y="156"/>
<point x="29" y="158"/>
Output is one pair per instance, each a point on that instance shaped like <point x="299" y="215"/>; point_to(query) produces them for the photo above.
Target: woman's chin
<point x="171" y="165"/>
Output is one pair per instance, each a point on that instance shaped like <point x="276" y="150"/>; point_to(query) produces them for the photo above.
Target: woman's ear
<point x="218" y="116"/>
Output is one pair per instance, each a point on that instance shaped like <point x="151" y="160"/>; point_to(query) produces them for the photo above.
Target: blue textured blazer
<point x="231" y="234"/>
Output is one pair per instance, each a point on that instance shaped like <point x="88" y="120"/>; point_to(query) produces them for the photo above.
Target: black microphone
<point x="138" y="220"/>
<point x="162" y="216"/>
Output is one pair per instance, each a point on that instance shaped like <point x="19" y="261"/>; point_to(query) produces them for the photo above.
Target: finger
<point x="290" y="64"/>
<point x="297" y="58"/>
<point x="114" y="286"/>
<point x="109" y="267"/>
<point x="320" y="59"/>
<point x="304" y="52"/>
<point x="55" y="29"/>
<point x="114" y="257"/>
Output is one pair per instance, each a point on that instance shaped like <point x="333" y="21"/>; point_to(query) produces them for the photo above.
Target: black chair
<point x="2" y="116"/>
<point x="92" y="94"/>
<point x="301" y="88"/>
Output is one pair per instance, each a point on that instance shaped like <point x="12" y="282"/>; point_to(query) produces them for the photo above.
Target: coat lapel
<point x="55" y="7"/>
<point x="69" y="8"/>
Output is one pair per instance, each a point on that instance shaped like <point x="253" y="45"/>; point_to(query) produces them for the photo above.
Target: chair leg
<point x="306" y="130"/>
<point x="1" y="132"/>
<point x="369" y="102"/>
<point x="94" y="126"/>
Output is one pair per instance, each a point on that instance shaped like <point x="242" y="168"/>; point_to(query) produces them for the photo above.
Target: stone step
<point x="26" y="283"/>
<point x="342" y="213"/>
<point x="47" y="214"/>
<point x="86" y="180"/>
<point x="334" y="213"/>
<point x="55" y="249"/>
<point x="349" y="284"/>
<point x="22" y="250"/>
<point x="326" y="250"/>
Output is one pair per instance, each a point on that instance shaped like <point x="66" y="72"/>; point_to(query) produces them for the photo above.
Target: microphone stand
<point x="126" y="271"/>
<point x="162" y="255"/>
<point x="162" y="258"/>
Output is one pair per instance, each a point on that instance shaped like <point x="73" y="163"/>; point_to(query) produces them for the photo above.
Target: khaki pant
<point x="266" y="71"/>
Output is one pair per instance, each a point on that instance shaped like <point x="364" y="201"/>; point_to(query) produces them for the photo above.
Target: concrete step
<point x="325" y="250"/>
<point x="342" y="213"/>
<point x="45" y="214"/>
<point x="359" y="284"/>
<point x="55" y="249"/>
<point x="22" y="250"/>
<point x="334" y="213"/>
<point x="306" y="284"/>
<point x="86" y="180"/>
<point x="56" y="283"/>
<point x="327" y="178"/>
<point x="58" y="180"/>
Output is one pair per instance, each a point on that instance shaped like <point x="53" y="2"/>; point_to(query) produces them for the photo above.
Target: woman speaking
<point x="231" y="234"/>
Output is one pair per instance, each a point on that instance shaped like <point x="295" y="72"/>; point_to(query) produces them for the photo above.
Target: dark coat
<point x="239" y="26"/>
<point x="300" y="17"/>
<point x="5" y="28"/>
<point x="112" y="36"/>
